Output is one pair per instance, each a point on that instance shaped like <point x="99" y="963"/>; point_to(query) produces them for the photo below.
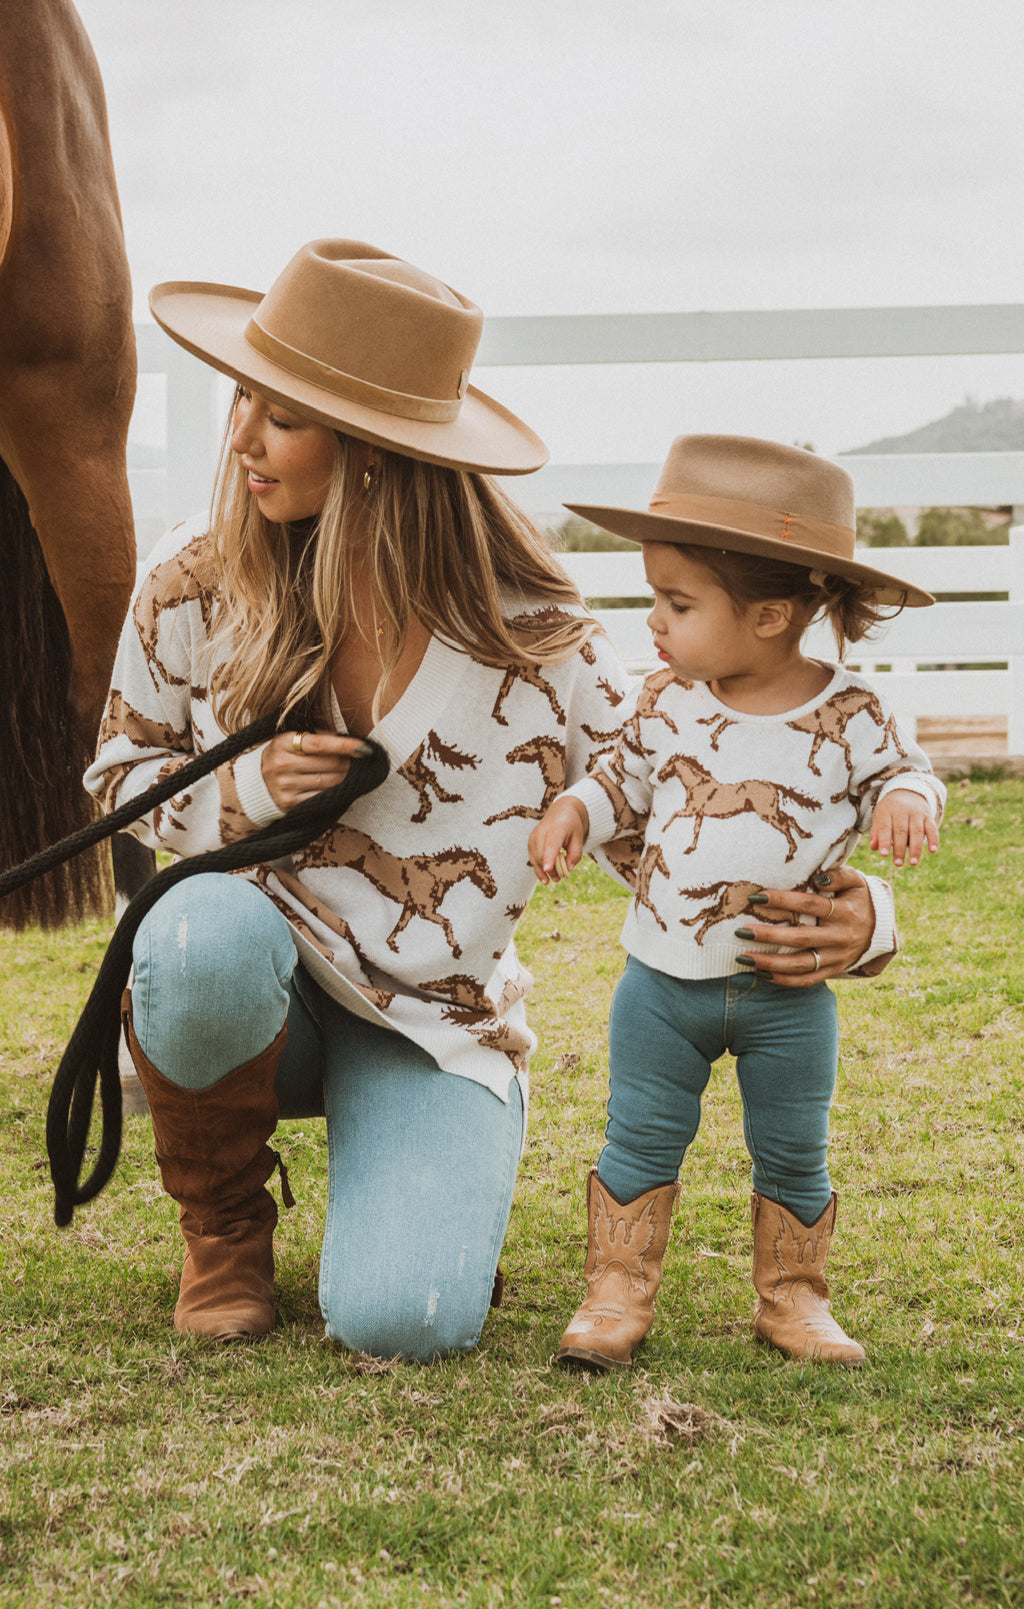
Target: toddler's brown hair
<point x="848" y="606"/>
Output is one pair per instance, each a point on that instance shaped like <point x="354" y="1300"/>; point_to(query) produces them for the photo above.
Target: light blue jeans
<point x="664" y="1035"/>
<point x="421" y="1163"/>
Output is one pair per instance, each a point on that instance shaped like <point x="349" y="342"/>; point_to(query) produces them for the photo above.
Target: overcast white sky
<point x="549" y="156"/>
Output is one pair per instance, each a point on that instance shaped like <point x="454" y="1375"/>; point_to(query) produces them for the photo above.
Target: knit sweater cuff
<point x="253" y="794"/>
<point x="884" y="940"/>
<point x="600" y="810"/>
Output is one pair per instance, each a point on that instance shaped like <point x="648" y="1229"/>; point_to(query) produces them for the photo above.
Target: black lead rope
<point x="106" y="826"/>
<point x="91" y="1053"/>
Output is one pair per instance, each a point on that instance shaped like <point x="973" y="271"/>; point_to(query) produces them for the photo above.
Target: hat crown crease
<point x="330" y="316"/>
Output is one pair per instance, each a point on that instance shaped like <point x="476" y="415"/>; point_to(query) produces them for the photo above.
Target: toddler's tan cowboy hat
<point x="363" y="342"/>
<point x="748" y="496"/>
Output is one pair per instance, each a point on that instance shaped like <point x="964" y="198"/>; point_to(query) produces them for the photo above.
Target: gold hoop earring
<point x="368" y="477"/>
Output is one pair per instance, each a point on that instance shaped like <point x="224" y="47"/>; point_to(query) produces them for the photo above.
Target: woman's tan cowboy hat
<point x="363" y="342"/>
<point x="743" y="495"/>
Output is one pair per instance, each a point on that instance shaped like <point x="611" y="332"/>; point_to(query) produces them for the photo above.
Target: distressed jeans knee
<point x="213" y="960"/>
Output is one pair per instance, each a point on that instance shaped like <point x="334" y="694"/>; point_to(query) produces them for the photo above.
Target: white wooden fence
<point x="920" y="660"/>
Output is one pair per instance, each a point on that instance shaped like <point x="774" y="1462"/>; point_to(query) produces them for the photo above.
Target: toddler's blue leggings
<point x="664" y="1035"/>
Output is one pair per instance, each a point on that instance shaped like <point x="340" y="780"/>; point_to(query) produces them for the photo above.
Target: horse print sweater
<point x="731" y="803"/>
<point x="405" y="911"/>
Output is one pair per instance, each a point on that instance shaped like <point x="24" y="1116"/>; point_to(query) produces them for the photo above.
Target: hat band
<point x="432" y="410"/>
<point x="757" y="519"/>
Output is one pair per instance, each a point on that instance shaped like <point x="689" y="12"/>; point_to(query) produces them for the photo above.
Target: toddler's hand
<point x="901" y="823"/>
<point x="556" y="843"/>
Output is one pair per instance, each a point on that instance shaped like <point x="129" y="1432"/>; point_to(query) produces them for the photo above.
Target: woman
<point x="361" y="574"/>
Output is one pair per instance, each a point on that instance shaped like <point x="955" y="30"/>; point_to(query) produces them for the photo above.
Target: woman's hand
<point x="299" y="765"/>
<point x="556" y="843"/>
<point x="846" y="920"/>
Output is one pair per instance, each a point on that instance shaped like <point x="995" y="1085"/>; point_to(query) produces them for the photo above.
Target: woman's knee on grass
<point x="417" y="1326"/>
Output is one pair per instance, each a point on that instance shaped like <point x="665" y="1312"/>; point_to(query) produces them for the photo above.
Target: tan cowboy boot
<point x="214" y="1160"/>
<point x="792" y="1310"/>
<point x="625" y="1251"/>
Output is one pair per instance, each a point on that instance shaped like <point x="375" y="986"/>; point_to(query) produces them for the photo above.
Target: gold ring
<point x="831" y="907"/>
<point x="297" y="742"/>
<point x="817" y="961"/>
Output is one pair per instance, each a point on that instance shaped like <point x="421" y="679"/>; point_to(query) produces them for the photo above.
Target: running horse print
<point x="67" y="386"/>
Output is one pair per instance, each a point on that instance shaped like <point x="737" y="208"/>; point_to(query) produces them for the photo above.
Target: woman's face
<point x="288" y="460"/>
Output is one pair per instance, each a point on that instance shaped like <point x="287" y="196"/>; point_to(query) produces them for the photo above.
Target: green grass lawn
<point x="139" y="1468"/>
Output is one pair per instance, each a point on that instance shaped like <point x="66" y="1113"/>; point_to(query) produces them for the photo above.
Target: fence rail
<point x="921" y="659"/>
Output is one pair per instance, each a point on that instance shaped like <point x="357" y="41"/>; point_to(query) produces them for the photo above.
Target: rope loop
<point x="91" y="1054"/>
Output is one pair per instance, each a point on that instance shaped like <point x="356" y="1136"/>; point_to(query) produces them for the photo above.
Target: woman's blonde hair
<point x="443" y="545"/>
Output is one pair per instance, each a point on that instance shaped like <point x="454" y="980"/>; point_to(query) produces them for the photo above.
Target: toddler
<point x="746" y="765"/>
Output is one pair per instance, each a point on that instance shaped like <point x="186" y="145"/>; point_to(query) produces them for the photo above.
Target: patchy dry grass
<point x="140" y="1469"/>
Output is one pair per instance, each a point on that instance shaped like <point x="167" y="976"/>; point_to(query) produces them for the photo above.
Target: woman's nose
<point x="242" y="434"/>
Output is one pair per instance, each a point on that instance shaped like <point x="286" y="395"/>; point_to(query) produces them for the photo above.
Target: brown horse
<point x="67" y="386"/>
<point x="707" y="797"/>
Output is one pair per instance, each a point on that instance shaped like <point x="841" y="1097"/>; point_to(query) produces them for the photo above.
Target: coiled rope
<point x="91" y="1054"/>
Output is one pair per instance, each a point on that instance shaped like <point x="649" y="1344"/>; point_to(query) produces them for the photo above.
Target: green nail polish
<point x="822" y="880"/>
<point x="363" y="750"/>
<point x="759" y="899"/>
<point x="745" y="961"/>
<point x="744" y="933"/>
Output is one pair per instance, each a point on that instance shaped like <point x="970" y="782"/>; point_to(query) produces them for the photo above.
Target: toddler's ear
<point x="773" y="616"/>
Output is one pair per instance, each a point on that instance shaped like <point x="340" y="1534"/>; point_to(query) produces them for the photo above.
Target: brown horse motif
<point x="706" y="797"/>
<point x="536" y="623"/>
<point x="828" y="723"/>
<point x="529" y="676"/>
<point x="418" y="883"/>
<point x="718" y="726"/>
<point x="468" y="1000"/>
<point x="67" y="386"/>
<point x="652" y="861"/>
<point x="647" y="710"/>
<point x="729" y="901"/>
<point x="422" y="776"/>
<point x="548" y="753"/>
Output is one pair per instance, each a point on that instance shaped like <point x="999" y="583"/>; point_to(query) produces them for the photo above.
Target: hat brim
<point x="639" y="526"/>
<point x="210" y="322"/>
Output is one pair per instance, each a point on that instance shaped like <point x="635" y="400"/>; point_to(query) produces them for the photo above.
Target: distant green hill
<point x="974" y="427"/>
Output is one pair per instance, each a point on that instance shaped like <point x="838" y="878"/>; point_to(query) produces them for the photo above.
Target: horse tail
<point x="801" y="798"/>
<point x="43" y="752"/>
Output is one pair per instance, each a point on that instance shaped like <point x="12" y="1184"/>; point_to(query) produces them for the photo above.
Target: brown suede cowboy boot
<point x="625" y="1251"/>
<point x="792" y="1311"/>
<point x="211" y="1147"/>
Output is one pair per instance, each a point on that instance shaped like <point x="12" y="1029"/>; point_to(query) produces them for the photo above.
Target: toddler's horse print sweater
<point x="731" y="803"/>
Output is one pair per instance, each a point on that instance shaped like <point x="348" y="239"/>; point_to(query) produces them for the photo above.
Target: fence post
<point x="1015" y="702"/>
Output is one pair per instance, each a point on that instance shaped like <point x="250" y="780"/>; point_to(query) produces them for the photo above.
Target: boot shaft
<point x="786" y="1250"/>
<point x="211" y="1144"/>
<point x="626" y="1243"/>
